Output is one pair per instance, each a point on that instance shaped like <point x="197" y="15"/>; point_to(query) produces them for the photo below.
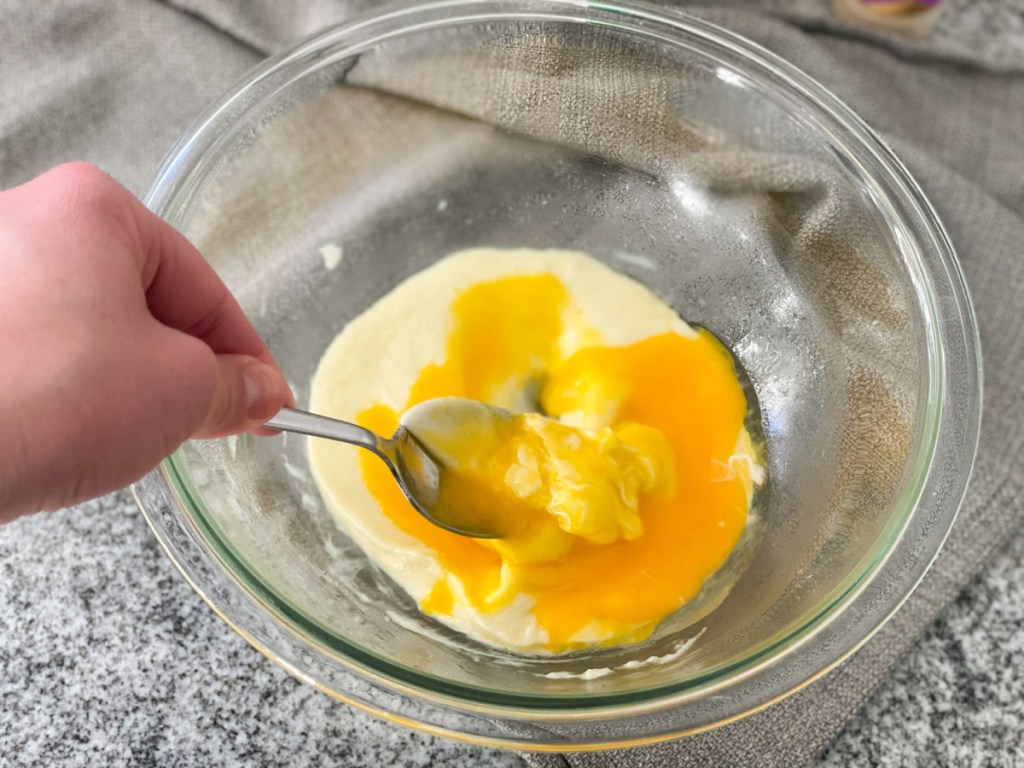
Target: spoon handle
<point x="305" y="423"/>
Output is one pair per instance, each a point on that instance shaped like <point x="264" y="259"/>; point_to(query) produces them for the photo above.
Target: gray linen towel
<point x="987" y="33"/>
<point x="970" y="168"/>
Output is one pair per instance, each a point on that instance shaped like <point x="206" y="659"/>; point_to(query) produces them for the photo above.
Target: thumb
<point x="248" y="392"/>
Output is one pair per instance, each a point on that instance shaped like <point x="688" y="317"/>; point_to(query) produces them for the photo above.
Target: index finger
<point x="184" y="292"/>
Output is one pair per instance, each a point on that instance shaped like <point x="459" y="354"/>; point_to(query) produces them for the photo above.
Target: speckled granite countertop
<point x="107" y="657"/>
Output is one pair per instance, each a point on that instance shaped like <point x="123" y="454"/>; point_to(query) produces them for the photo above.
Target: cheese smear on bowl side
<point x="628" y="470"/>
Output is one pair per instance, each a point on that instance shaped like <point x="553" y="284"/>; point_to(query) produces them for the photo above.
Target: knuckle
<point x="88" y="193"/>
<point x="85" y="186"/>
<point x="82" y="181"/>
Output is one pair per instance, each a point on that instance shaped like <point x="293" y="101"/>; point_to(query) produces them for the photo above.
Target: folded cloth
<point x="988" y="33"/>
<point x="934" y="91"/>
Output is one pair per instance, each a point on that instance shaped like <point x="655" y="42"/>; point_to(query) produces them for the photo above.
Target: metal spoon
<point x="417" y="453"/>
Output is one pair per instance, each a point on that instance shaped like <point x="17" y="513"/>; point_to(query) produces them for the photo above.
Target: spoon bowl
<point x="415" y="454"/>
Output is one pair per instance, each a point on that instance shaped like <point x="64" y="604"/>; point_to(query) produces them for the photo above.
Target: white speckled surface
<point x="107" y="657"/>
<point x="958" y="697"/>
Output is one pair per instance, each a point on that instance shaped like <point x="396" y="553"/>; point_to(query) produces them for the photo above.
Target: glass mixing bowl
<point x="740" y="191"/>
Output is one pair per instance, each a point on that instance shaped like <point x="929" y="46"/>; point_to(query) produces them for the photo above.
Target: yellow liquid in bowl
<point x="668" y="403"/>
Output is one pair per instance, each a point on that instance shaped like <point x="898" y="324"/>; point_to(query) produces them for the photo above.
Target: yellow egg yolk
<point x="627" y="496"/>
<point x="538" y="483"/>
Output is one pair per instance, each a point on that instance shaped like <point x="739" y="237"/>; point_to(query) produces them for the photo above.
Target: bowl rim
<point x="160" y="494"/>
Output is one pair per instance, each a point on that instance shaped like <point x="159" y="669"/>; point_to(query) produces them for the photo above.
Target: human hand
<point x="118" y="342"/>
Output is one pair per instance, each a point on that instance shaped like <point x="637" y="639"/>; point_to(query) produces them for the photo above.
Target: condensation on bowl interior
<point x="836" y="376"/>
